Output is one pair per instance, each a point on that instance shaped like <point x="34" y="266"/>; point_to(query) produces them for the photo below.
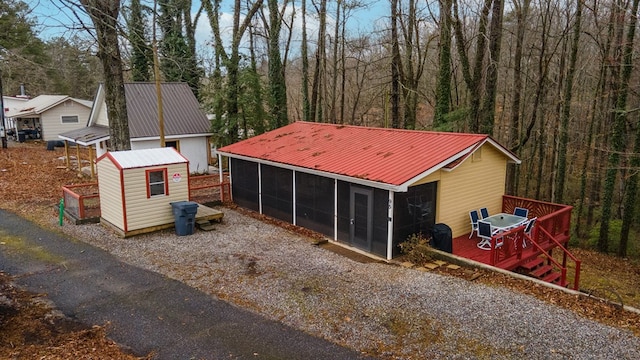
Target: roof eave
<point x="85" y="143"/>
<point x="351" y="179"/>
<point x="512" y="157"/>
<point x="404" y="186"/>
<point x="179" y="136"/>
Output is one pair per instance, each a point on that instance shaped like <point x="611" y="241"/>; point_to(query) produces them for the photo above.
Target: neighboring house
<point x="11" y="105"/>
<point x="137" y="187"/>
<point x="46" y="116"/>
<point x="369" y="188"/>
<point x="186" y="127"/>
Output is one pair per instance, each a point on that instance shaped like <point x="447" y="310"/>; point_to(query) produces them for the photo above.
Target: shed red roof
<point x="390" y="156"/>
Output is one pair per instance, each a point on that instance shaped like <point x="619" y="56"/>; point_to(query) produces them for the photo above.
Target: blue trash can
<point x="184" y="213"/>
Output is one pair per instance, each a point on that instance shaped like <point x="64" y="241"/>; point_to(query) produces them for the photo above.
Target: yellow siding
<point x="51" y="120"/>
<point x="111" y="207"/>
<point x="143" y="212"/>
<point x="472" y="185"/>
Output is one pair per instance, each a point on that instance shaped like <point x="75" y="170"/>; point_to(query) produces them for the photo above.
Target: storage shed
<point x="137" y="188"/>
<point x="368" y="188"/>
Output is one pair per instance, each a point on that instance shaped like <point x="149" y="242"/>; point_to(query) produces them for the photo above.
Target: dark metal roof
<point x="182" y="114"/>
<point x="87" y="135"/>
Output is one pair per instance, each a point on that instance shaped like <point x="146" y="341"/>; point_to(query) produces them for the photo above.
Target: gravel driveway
<point x="383" y="310"/>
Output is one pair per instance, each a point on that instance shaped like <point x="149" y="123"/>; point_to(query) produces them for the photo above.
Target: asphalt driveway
<point x="146" y="311"/>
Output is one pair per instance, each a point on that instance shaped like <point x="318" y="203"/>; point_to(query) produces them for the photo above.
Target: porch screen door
<point x="361" y="218"/>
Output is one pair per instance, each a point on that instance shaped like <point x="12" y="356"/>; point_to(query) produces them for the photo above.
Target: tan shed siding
<point x="472" y="185"/>
<point x="51" y="120"/>
<point x="143" y="212"/>
<point x="110" y="193"/>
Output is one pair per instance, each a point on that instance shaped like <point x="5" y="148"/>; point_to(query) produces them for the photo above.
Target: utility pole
<point x="156" y="75"/>
<point x="3" y="126"/>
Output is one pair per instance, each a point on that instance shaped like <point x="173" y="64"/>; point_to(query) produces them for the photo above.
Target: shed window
<point x="69" y="119"/>
<point x="157" y="183"/>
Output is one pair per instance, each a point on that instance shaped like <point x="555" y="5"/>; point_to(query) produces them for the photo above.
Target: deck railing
<point x="552" y="231"/>
<point x="207" y="188"/>
<point x="81" y="201"/>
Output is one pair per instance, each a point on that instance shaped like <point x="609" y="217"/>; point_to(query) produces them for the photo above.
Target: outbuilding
<point x="368" y="188"/>
<point x="137" y="188"/>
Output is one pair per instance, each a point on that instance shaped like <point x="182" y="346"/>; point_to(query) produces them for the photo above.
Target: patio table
<point x="503" y="222"/>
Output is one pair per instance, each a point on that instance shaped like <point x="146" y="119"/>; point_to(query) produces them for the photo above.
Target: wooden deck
<point x="467" y="248"/>
<point x="507" y="258"/>
<point x="209" y="214"/>
<point x="534" y="253"/>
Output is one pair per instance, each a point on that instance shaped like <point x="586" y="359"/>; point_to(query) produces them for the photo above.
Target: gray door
<point x="361" y="214"/>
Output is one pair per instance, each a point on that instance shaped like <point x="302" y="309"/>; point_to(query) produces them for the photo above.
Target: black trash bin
<point x="22" y="136"/>
<point x="184" y="213"/>
<point x="441" y="238"/>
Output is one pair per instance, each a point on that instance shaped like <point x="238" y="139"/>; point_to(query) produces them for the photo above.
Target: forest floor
<point x="31" y="178"/>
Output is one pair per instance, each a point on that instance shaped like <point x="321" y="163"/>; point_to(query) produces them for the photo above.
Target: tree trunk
<point x="396" y="66"/>
<point x="522" y="12"/>
<point x="104" y="14"/>
<point x="277" y="84"/>
<point x="232" y="61"/>
<point x="316" y="95"/>
<point x="306" y="110"/>
<point x="487" y="112"/>
<point x="620" y="91"/>
<point x="566" y="106"/>
<point x="621" y="113"/>
<point x="334" y="84"/>
<point x="443" y="87"/>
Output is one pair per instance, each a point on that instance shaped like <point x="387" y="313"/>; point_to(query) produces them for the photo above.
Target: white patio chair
<point x="527" y="230"/>
<point x="485" y="234"/>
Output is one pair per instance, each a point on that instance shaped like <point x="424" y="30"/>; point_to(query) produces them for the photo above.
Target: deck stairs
<point x="539" y="269"/>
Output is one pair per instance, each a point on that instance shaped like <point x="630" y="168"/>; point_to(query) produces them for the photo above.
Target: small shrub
<point x="416" y="249"/>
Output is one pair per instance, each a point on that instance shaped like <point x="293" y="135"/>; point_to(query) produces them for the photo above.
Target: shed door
<point x="361" y="213"/>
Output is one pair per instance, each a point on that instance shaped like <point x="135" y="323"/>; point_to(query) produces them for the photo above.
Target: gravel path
<point x="383" y="310"/>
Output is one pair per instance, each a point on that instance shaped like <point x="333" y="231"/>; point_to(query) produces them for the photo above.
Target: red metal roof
<point x="389" y="156"/>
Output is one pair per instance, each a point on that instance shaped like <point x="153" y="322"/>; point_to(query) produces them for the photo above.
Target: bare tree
<point x="618" y="143"/>
<point x="317" y="84"/>
<point x="443" y="90"/>
<point x="231" y="61"/>
<point x="566" y="105"/>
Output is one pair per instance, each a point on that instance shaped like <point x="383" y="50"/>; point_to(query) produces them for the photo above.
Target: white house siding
<point x="102" y="118"/>
<point x="143" y="212"/>
<point x="193" y="148"/>
<point x="111" y="206"/>
<point x="51" y="120"/>
<point x="12" y="104"/>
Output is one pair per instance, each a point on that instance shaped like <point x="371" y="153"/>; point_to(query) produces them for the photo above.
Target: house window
<point x="69" y="119"/>
<point x="173" y="143"/>
<point x="157" y="182"/>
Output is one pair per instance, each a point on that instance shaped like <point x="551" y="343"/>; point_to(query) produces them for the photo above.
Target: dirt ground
<point x="31" y="178"/>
